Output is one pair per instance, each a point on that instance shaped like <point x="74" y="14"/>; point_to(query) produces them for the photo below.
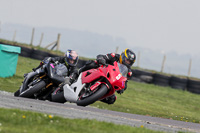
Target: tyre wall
<point x="167" y="81"/>
<point x="193" y="86"/>
<point x="178" y="83"/>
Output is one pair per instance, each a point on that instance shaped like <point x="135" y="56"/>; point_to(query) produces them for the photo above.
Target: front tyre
<point x="16" y="94"/>
<point x="33" y="89"/>
<point x="94" y="97"/>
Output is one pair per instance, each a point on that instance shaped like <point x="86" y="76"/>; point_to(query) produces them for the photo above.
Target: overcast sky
<point x="169" y="25"/>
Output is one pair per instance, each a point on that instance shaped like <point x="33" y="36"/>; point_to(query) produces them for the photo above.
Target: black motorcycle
<point x="43" y="80"/>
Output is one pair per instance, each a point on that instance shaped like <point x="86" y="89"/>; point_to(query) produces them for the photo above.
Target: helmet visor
<point x="72" y="58"/>
<point x="126" y="61"/>
<point x="72" y="62"/>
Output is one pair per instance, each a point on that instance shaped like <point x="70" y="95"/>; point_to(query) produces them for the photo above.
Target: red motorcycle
<point x="96" y="84"/>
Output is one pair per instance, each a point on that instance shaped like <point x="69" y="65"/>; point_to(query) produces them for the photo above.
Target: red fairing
<point x="111" y="73"/>
<point x="90" y="75"/>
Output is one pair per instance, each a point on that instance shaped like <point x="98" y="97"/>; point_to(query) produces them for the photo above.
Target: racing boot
<point x="109" y="100"/>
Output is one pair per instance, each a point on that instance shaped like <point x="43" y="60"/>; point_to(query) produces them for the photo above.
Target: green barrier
<point x="8" y="60"/>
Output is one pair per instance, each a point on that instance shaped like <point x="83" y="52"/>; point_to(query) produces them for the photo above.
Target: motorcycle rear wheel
<point x="94" y="97"/>
<point x="28" y="93"/>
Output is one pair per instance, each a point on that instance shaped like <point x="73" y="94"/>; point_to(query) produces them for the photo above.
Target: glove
<point x="101" y="61"/>
<point x="41" y="63"/>
<point x="73" y="77"/>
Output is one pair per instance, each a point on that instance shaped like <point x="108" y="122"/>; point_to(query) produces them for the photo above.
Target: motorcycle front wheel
<point x="28" y="93"/>
<point x="94" y="97"/>
<point x="16" y="94"/>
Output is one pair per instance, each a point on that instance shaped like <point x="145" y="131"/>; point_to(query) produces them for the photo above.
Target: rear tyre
<point x="94" y="97"/>
<point x="32" y="90"/>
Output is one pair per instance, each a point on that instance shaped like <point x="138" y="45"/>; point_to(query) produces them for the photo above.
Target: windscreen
<point x="61" y="70"/>
<point x="123" y="69"/>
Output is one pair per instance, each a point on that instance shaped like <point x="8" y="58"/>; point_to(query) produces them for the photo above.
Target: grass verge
<point x="16" y="121"/>
<point x="156" y="101"/>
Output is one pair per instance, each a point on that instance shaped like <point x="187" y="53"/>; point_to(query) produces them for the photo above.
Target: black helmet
<point x="71" y="57"/>
<point x="127" y="57"/>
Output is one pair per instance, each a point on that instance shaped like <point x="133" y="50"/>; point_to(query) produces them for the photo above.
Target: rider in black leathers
<point x="70" y="60"/>
<point x="127" y="58"/>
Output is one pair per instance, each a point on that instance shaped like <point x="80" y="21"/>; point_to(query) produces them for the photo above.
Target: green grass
<point x="156" y="101"/>
<point x="16" y="121"/>
<point x="139" y="98"/>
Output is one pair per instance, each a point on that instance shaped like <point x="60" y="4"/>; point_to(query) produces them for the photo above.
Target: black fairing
<point x="53" y="76"/>
<point x="26" y="80"/>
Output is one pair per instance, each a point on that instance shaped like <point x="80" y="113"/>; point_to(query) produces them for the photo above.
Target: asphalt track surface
<point x="69" y="110"/>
